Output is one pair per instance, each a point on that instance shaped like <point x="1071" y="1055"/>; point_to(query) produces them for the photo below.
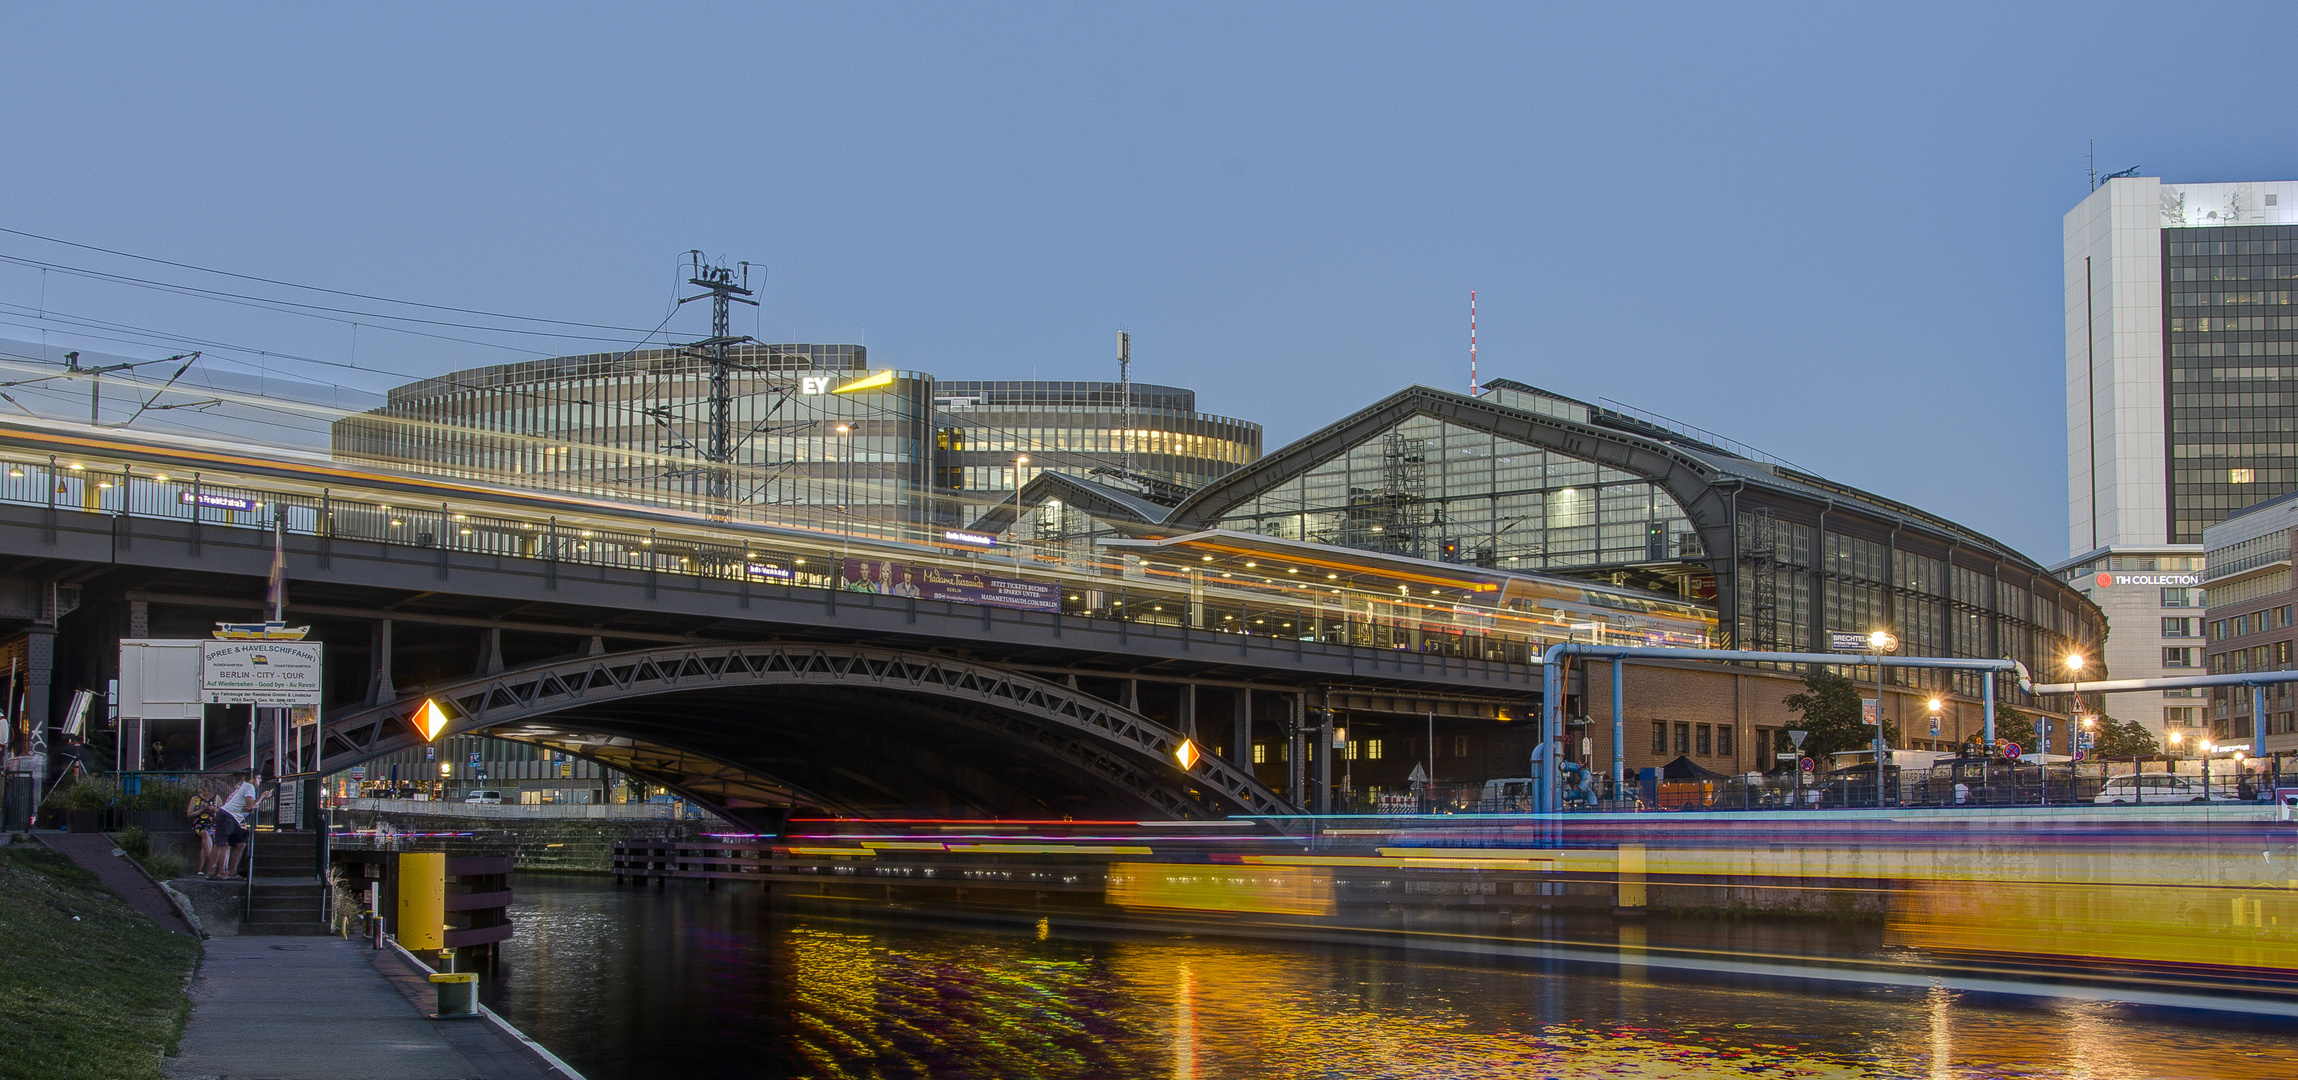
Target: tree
<point x="2015" y="726"/>
<point x="2123" y="738"/>
<point x="1832" y="713"/>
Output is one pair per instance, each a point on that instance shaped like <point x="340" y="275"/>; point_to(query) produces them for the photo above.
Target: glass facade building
<point x="1520" y="479"/>
<point x="814" y="434"/>
<point x="2231" y="352"/>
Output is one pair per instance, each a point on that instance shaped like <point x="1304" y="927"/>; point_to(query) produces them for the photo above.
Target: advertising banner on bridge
<point x="942" y="583"/>
<point x="273" y="673"/>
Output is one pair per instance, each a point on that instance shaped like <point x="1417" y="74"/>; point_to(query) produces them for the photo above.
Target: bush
<point x="165" y="867"/>
<point x="133" y="841"/>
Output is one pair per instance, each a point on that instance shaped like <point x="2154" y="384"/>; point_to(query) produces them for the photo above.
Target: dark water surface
<point x="685" y="981"/>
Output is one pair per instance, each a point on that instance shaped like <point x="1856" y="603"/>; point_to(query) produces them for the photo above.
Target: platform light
<point x="1186" y="754"/>
<point x="430" y="720"/>
<point x="16" y="470"/>
<point x="76" y="466"/>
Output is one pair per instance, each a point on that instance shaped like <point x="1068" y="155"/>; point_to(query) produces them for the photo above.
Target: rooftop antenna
<point x="2093" y="158"/>
<point x="1125" y="390"/>
<point x="1473" y="387"/>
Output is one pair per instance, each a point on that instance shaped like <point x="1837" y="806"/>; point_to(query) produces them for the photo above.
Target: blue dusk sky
<point x="1830" y="231"/>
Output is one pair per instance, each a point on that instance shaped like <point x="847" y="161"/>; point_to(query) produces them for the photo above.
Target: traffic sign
<point x="1797" y="737"/>
<point x="2078" y="754"/>
<point x="1787" y="755"/>
<point x="2010" y="749"/>
<point x="358" y="772"/>
<point x="1810" y="766"/>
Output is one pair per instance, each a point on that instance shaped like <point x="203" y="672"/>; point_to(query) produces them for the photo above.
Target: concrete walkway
<point x="93" y="853"/>
<point x="270" y="1008"/>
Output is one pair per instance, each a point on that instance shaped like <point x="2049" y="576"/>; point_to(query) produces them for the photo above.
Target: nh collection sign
<point x="2189" y="581"/>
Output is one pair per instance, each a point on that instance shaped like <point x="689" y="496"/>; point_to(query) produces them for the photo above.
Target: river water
<point x="627" y="983"/>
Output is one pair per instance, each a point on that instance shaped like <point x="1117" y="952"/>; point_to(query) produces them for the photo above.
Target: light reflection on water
<point x="628" y="983"/>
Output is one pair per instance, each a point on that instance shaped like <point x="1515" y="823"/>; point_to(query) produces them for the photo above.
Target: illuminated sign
<point x="220" y="502"/>
<point x="767" y="570"/>
<point x="814" y="384"/>
<point x="2171" y="580"/>
<point x="959" y="536"/>
<point x="868" y="382"/>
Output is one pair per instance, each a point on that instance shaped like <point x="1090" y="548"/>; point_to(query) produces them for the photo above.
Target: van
<point x="2159" y="788"/>
<point x="490" y="798"/>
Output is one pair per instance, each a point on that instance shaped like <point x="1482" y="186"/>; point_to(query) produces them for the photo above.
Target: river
<point x="627" y="983"/>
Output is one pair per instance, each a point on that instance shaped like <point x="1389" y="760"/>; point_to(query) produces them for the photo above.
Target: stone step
<point x="305" y="929"/>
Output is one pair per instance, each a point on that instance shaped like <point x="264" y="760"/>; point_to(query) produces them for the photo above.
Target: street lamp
<point x="845" y="468"/>
<point x="1878" y="643"/>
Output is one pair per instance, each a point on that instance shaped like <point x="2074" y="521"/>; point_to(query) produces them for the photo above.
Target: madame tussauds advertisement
<point x="939" y="583"/>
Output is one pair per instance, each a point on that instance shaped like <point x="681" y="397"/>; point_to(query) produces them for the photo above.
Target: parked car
<point x="490" y="798"/>
<point x="2164" y="788"/>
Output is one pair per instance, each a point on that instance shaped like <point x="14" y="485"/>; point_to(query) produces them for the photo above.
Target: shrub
<point x="133" y="841"/>
<point x="165" y="867"/>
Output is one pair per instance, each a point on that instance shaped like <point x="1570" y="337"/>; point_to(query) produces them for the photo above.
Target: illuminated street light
<point x="1879" y="642"/>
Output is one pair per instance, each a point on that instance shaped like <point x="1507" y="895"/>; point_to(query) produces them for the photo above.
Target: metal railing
<point x="1090" y="584"/>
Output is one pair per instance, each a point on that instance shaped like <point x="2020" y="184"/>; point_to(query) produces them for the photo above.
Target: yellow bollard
<point x="458" y="995"/>
<point x="1632" y="897"/>
<point x="422" y="921"/>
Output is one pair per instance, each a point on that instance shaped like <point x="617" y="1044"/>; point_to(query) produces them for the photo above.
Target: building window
<point x="2177" y="627"/>
<point x="1372" y="749"/>
<point x="1707" y="741"/>
<point x="2217" y="629"/>
<point x="2180" y="715"/>
<point x="1723" y="742"/>
<point x="1260" y="753"/>
<point x="1659" y="738"/>
<point x="2240" y="476"/>
<point x="2175" y="598"/>
<point x="1683" y="738"/>
<point x="1460" y="746"/>
<point x="2178" y="657"/>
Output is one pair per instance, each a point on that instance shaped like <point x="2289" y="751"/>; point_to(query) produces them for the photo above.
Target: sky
<point x="1831" y="232"/>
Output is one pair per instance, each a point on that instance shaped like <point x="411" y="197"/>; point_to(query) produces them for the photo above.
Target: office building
<point x="2182" y="392"/>
<point x="2249" y="625"/>
<point x="814" y="435"/>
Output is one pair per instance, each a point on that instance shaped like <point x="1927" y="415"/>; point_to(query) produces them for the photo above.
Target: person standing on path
<point x="202" y="812"/>
<point x="232" y="825"/>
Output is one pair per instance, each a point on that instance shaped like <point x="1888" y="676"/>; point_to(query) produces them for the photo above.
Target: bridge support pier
<point x="379" y="688"/>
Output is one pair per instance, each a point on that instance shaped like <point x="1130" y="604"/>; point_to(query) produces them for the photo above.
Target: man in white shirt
<point x="238" y="812"/>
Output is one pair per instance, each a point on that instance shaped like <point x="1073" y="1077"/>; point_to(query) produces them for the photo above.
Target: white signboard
<point x="1840" y="641"/>
<point x="275" y="673"/>
<point x="159" y="679"/>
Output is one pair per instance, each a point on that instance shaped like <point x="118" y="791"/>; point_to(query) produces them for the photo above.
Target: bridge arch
<point x="750" y="727"/>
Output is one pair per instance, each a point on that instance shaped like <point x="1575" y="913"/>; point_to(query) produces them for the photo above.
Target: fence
<point x="1950" y="783"/>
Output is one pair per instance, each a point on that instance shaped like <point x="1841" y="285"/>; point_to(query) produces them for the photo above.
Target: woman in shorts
<point x="202" y="812"/>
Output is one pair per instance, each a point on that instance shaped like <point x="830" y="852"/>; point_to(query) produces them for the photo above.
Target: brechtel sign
<point x="276" y="673"/>
<point x="2171" y="580"/>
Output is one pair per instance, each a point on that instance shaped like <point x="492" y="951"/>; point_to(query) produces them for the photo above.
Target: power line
<point x="314" y="288"/>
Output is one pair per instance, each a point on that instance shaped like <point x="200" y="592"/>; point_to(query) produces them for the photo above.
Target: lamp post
<point x="1878" y="643"/>
<point x="2074" y="665"/>
<point x="2204" y="746"/>
<point x="845" y="467"/>
<point x="1932" y="707"/>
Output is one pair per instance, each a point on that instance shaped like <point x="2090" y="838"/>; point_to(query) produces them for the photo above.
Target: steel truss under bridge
<point x="1123" y="747"/>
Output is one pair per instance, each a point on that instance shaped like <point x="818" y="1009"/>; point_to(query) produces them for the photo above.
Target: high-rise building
<point x="2182" y="393"/>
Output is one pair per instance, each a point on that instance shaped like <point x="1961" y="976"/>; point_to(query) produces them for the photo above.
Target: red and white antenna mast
<point x="1473" y="387"/>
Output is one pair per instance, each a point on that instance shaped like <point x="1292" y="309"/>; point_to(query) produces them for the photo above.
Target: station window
<point x="1707" y="741"/>
<point x="1372" y="749"/>
<point x="1260" y="753"/>
<point x="1683" y="738"/>
<point x="1659" y="738"/>
<point x="1460" y="746"/>
<point x="1723" y="742"/>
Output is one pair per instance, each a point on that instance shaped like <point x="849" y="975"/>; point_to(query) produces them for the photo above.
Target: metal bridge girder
<point x="1126" y="747"/>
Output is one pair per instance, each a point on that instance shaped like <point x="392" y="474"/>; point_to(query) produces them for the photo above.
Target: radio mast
<point x="1125" y="391"/>
<point x="718" y="451"/>
<point x="1473" y="388"/>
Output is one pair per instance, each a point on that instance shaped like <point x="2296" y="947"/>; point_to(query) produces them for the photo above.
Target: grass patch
<point x="100" y="997"/>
